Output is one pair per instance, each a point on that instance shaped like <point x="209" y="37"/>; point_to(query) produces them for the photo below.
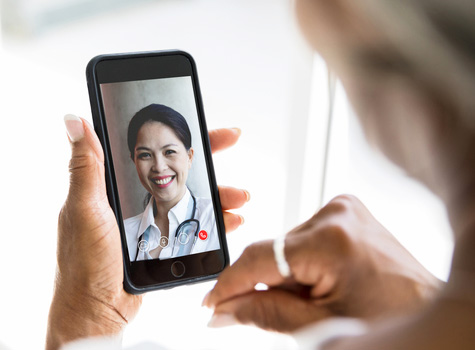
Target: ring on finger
<point x="279" y="255"/>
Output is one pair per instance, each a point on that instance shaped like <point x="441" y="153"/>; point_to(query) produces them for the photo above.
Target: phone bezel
<point x="141" y="276"/>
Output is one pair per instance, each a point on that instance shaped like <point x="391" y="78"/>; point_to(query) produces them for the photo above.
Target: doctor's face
<point x="162" y="162"/>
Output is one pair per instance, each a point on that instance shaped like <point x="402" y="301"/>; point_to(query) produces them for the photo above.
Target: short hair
<point x="161" y="114"/>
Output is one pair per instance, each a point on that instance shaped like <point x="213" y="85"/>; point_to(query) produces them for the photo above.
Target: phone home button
<point x="177" y="269"/>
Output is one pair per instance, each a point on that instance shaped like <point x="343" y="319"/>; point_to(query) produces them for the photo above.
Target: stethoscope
<point x="182" y="233"/>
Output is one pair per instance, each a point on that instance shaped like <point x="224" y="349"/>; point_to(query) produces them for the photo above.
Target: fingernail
<point x="74" y="127"/>
<point x="222" y="320"/>
<point x="238" y="131"/>
<point x="242" y="219"/>
<point x="248" y="195"/>
<point x="206" y="299"/>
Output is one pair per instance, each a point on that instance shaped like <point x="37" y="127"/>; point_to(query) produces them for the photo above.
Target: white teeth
<point x="163" y="181"/>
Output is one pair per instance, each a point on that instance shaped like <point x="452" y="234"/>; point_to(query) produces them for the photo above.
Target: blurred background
<point x="256" y="73"/>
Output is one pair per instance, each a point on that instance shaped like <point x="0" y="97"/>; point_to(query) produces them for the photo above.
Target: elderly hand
<point x="342" y="263"/>
<point x="89" y="298"/>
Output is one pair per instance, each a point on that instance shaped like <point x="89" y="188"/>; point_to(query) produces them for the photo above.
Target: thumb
<point x="86" y="166"/>
<point x="275" y="309"/>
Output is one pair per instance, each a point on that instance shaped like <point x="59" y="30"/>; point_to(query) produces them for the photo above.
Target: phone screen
<point x="162" y="182"/>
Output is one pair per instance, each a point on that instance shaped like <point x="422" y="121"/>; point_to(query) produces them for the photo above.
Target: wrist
<point x="75" y="315"/>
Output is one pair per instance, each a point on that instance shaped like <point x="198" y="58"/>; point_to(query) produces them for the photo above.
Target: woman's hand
<point x="89" y="298"/>
<point x="342" y="262"/>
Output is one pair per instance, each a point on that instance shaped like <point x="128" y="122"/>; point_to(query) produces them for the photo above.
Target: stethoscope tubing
<point x="192" y="219"/>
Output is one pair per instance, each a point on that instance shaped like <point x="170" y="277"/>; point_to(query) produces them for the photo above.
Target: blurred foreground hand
<point x="342" y="263"/>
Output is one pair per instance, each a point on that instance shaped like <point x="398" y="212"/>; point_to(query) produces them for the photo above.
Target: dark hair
<point x="161" y="114"/>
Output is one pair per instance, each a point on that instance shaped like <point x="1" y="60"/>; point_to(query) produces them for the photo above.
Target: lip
<point x="161" y="181"/>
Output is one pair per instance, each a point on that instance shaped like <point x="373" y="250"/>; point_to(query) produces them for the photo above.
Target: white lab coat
<point x="136" y="226"/>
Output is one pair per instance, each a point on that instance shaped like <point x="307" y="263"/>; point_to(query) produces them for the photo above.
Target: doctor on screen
<point x="174" y="222"/>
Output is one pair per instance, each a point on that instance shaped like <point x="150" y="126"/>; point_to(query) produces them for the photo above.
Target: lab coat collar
<point x="179" y="212"/>
<point x="181" y="208"/>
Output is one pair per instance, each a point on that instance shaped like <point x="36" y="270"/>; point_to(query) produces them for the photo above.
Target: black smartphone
<point x="148" y="114"/>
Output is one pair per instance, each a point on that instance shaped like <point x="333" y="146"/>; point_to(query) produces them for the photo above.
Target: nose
<point x="159" y="164"/>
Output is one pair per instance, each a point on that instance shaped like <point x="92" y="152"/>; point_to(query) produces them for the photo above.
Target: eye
<point x="169" y="152"/>
<point x="144" y="155"/>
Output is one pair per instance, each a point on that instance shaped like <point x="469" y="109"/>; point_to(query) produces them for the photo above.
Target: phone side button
<point x="177" y="269"/>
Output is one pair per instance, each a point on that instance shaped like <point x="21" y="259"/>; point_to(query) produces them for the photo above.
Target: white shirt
<point x="136" y="226"/>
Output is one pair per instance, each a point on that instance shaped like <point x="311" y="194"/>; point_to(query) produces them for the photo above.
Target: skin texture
<point x="89" y="299"/>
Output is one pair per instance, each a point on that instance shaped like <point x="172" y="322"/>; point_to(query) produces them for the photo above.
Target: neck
<point x="162" y="208"/>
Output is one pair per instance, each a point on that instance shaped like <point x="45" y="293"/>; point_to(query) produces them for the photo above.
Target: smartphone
<point x="148" y="114"/>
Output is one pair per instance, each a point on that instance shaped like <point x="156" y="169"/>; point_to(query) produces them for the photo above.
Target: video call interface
<point x="160" y="168"/>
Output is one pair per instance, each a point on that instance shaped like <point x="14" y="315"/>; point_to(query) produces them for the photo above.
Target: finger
<point x="232" y="198"/>
<point x="220" y="139"/>
<point x="274" y="309"/>
<point x="232" y="221"/>
<point x="255" y="265"/>
<point x="87" y="160"/>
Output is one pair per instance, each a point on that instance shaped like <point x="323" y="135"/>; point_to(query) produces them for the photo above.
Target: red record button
<point x="203" y="235"/>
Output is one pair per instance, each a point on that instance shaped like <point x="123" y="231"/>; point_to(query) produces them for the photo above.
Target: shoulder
<point x="205" y="211"/>
<point x="203" y="200"/>
<point x="204" y="204"/>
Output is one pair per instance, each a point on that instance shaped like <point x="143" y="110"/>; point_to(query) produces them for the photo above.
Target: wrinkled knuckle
<point x="337" y="231"/>
<point x="348" y="198"/>
<point x="343" y="203"/>
<point x="338" y="238"/>
<point x="81" y="162"/>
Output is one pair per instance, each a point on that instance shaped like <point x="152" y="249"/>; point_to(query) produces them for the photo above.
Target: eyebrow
<point x="170" y="144"/>
<point x="143" y="148"/>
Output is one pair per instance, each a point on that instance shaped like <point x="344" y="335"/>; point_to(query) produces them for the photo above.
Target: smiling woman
<point x="159" y="142"/>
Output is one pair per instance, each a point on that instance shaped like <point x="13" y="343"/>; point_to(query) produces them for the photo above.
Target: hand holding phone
<point x="89" y="298"/>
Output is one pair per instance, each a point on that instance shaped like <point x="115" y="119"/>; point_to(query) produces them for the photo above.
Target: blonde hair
<point x="436" y="41"/>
